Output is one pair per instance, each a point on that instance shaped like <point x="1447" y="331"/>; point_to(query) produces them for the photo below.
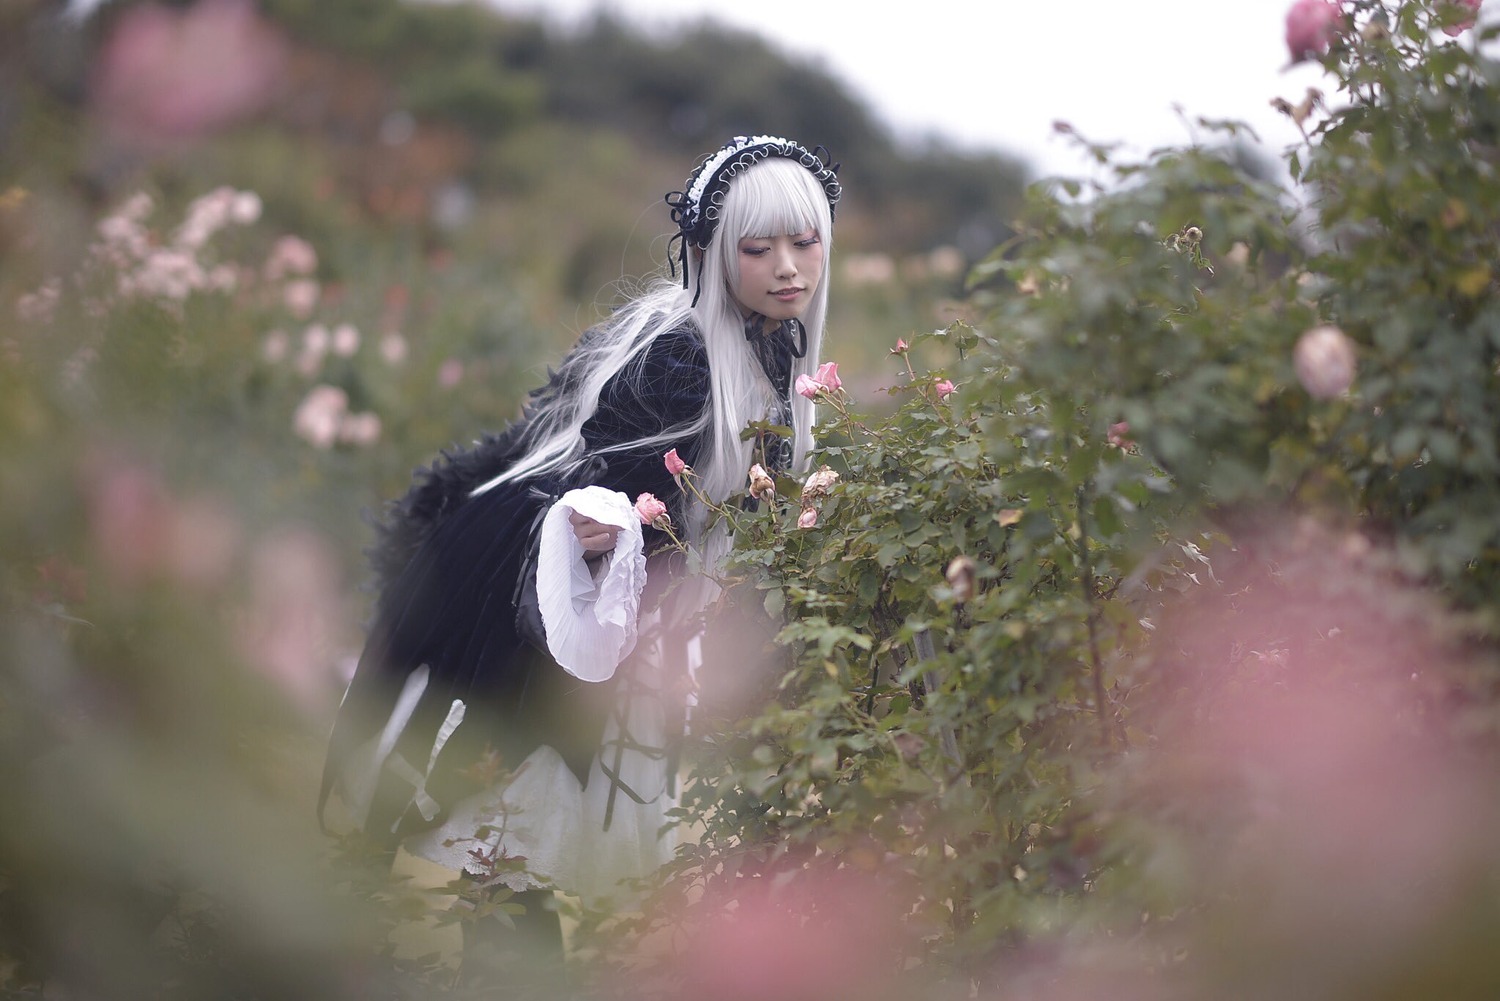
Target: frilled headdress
<point x="696" y="209"/>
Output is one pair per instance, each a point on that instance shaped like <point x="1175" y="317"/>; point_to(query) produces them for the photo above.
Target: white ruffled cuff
<point x="591" y="625"/>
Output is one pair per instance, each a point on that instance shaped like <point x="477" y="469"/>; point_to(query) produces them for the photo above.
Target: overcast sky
<point x="996" y="74"/>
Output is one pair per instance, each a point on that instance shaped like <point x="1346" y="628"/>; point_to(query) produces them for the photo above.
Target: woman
<point x="577" y="691"/>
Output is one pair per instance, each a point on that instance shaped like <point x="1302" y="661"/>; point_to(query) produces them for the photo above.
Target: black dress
<point x="448" y="565"/>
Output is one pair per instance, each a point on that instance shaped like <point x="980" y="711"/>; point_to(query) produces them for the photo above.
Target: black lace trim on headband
<point x="697" y="207"/>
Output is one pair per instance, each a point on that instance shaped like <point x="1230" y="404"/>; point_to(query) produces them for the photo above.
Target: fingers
<point x="592" y="535"/>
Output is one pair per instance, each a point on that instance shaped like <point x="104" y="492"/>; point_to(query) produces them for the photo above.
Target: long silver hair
<point x="776" y="196"/>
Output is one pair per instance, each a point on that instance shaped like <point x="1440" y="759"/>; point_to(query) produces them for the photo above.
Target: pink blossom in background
<point x="1311" y="26"/>
<point x="275" y="347"/>
<point x="1458" y="28"/>
<point x="450" y="373"/>
<point x="315" y="343"/>
<point x="1324" y="361"/>
<point x="650" y="510"/>
<point x="290" y="255"/>
<point x="674" y="463"/>
<point x="361" y="429"/>
<point x="393" y="348"/>
<point x="300" y="297"/>
<point x="943" y="388"/>
<point x="212" y="212"/>
<point x="320" y="415"/>
<point x="172" y="73"/>
<point x="345" y="340"/>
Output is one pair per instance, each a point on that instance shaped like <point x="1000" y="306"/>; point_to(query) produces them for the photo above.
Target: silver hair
<point x="774" y="197"/>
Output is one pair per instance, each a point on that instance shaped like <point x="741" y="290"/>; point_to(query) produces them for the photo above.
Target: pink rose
<point x="1118" y="436"/>
<point x="1324" y="360"/>
<point x="1459" y="27"/>
<point x="824" y="380"/>
<point x="808" y="518"/>
<point x="901" y="347"/>
<point x="674" y="463"/>
<point x="651" y="511"/>
<point x="944" y="389"/>
<point x="1311" y="26"/>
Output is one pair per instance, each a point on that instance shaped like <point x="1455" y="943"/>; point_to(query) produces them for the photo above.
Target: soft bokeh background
<point x="1145" y="648"/>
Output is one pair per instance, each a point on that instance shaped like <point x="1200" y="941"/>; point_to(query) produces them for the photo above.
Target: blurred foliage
<point x="1145" y="647"/>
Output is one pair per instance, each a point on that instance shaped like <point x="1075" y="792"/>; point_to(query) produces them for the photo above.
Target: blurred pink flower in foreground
<point x="800" y="936"/>
<point x="1459" y="27"/>
<point x="170" y="73"/>
<point x="142" y="532"/>
<point x="1119" y="436"/>
<point x="1324" y="360"/>
<point x="1305" y="772"/>
<point x="1311" y="26"/>
<point x="292" y="627"/>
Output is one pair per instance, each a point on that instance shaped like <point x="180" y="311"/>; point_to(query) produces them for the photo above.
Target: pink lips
<point x="787" y="293"/>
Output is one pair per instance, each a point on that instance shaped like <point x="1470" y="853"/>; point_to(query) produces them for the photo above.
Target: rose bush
<point x="1171" y="618"/>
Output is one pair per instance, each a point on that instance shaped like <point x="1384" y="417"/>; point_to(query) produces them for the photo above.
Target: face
<point x="779" y="274"/>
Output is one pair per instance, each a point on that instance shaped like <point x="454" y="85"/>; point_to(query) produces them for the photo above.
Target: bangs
<point x="777" y="197"/>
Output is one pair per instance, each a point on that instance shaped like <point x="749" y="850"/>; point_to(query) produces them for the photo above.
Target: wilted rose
<point x="961" y="574"/>
<point x="808" y="518"/>
<point x="818" y="484"/>
<point x="1324" y="360"/>
<point x="652" y="511"/>
<point x="1311" y="25"/>
<point x="762" y="487"/>
<point x="674" y="463"/>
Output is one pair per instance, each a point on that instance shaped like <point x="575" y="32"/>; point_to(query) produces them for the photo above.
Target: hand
<point x="596" y="538"/>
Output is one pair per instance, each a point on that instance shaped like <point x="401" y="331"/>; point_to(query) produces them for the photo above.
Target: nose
<point x="786" y="264"/>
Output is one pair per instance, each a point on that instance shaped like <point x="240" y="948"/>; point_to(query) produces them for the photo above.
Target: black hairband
<point x="696" y="209"/>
